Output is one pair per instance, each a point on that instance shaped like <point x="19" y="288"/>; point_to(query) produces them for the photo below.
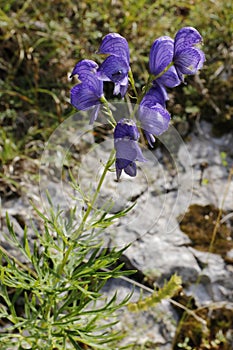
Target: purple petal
<point x="150" y="138"/>
<point x="125" y="150"/>
<point x="128" y="150"/>
<point x="84" y="68"/>
<point x="131" y="169"/>
<point x="189" y="61"/>
<point x="114" y="68"/>
<point x="126" y="128"/>
<point x="161" y="91"/>
<point x="123" y="87"/>
<point x="161" y="54"/>
<point x="140" y="157"/>
<point x="170" y="78"/>
<point x="89" y="78"/>
<point x="87" y="94"/>
<point x="94" y="114"/>
<point x="102" y="76"/>
<point x="82" y="97"/>
<point x="117" y="89"/>
<point x="156" y="94"/>
<point x="122" y="163"/>
<point x="94" y="84"/>
<point x="154" y="120"/>
<point x="202" y="60"/>
<point x="115" y="44"/>
<point x="186" y="37"/>
<point x="118" y="170"/>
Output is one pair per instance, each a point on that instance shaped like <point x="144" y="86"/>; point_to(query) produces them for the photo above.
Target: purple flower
<point x="161" y="55"/>
<point x="88" y="92"/>
<point x="186" y="58"/>
<point x="152" y="114"/>
<point x="115" y="68"/>
<point x="128" y="151"/>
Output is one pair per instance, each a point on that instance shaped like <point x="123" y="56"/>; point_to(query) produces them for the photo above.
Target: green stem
<point x="150" y="82"/>
<point x="147" y="87"/>
<point x="164" y="71"/>
<point x="95" y="196"/>
<point x="140" y="97"/>
<point x="109" y="112"/>
<point x="132" y="82"/>
<point x="91" y="204"/>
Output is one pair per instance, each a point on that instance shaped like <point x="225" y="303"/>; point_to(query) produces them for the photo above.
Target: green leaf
<point x="26" y="244"/>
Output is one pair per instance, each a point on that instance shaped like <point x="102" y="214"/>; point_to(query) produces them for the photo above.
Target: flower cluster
<point x="169" y="61"/>
<point x="115" y="68"/>
<point x="181" y="52"/>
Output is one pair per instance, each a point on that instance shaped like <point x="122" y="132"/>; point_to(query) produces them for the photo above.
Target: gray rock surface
<point x="176" y="175"/>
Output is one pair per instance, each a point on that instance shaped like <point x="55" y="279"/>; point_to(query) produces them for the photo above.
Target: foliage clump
<point x="53" y="300"/>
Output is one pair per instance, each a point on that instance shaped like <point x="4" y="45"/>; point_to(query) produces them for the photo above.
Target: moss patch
<point x="192" y="334"/>
<point x="199" y="224"/>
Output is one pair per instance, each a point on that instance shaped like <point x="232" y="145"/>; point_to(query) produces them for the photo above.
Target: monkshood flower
<point x="115" y="68"/>
<point x="188" y="59"/>
<point x="180" y="53"/>
<point x="126" y="135"/>
<point x="161" y="56"/>
<point x="88" y="93"/>
<point x="152" y="114"/>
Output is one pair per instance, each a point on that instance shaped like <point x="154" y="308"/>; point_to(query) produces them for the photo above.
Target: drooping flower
<point x="88" y="93"/>
<point x="126" y="135"/>
<point x="152" y="114"/>
<point x="161" y="56"/>
<point x="115" y="68"/>
<point x="188" y="59"/>
<point x="181" y="52"/>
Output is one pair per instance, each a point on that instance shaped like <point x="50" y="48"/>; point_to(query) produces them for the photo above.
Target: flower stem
<point x="151" y="78"/>
<point x="132" y="82"/>
<point x="164" y="71"/>
<point x="95" y="196"/>
<point x="109" y="112"/>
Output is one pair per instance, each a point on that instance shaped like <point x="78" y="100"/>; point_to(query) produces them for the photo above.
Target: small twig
<point x="218" y="221"/>
<point x="226" y="217"/>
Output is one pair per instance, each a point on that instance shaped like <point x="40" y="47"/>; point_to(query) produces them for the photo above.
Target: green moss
<point x="192" y="334"/>
<point x="199" y="224"/>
